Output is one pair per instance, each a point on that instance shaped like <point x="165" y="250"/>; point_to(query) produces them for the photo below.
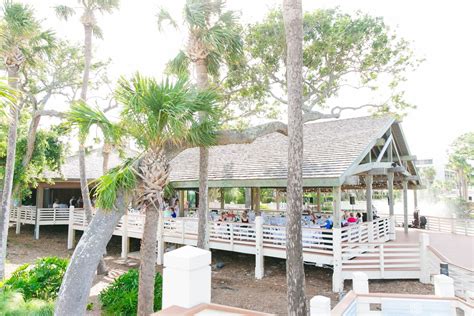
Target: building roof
<point x="70" y="168"/>
<point x="330" y="149"/>
<point x="332" y="152"/>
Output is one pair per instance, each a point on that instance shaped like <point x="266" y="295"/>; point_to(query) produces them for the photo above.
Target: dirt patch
<point x="234" y="284"/>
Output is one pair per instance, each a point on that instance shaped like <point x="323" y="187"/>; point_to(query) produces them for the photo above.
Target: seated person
<point x="173" y="213"/>
<point x="359" y="218"/>
<point x="244" y="218"/>
<point x="352" y="219"/>
<point x="328" y="223"/>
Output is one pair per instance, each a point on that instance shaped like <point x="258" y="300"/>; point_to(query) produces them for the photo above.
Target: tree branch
<point x="53" y="113"/>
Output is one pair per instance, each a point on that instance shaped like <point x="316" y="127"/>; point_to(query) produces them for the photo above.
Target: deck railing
<point x="460" y="226"/>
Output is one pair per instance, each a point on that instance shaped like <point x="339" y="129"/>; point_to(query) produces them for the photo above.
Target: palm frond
<point x="19" y="19"/>
<point x="179" y="65"/>
<point x="162" y="112"/>
<point x="97" y="32"/>
<point x="105" y="6"/>
<point x="164" y="16"/>
<point x="64" y="12"/>
<point x="123" y="177"/>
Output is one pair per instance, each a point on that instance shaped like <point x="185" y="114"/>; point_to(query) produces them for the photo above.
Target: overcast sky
<point x="441" y="32"/>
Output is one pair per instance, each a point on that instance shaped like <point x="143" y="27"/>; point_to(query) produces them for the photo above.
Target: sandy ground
<point x="232" y="285"/>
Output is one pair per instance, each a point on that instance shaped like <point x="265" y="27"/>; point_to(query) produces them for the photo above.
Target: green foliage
<point x="156" y="113"/>
<point x="121" y="297"/>
<point x="461" y="155"/>
<point x="13" y="304"/>
<point x="122" y="177"/>
<point x="339" y="51"/>
<point x="40" y="280"/>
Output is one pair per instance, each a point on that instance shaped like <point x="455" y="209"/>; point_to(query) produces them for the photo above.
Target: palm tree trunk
<point x="102" y="268"/>
<point x="295" y="279"/>
<point x="203" y="240"/>
<point x="77" y="281"/>
<point x="146" y="285"/>
<point x="84" y="186"/>
<point x="9" y="173"/>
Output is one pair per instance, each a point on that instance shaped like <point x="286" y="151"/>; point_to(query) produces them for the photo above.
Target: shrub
<point x="121" y="297"/>
<point x="13" y="304"/>
<point x="40" y="280"/>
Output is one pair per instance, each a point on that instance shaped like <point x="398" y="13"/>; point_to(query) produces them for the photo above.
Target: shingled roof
<point x="330" y="149"/>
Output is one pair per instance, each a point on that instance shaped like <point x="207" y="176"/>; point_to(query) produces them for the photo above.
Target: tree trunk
<point x="88" y="17"/>
<point x="146" y="285"/>
<point x="84" y="186"/>
<point x="203" y="213"/>
<point x="9" y="173"/>
<point x="293" y="20"/>
<point x="102" y="268"/>
<point x="77" y="281"/>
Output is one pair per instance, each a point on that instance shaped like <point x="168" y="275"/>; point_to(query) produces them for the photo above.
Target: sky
<point x="440" y="31"/>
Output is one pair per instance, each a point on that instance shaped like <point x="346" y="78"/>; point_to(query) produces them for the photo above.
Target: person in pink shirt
<point x="352" y="219"/>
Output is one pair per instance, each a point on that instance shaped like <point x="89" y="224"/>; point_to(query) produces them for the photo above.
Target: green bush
<point x="40" y="280"/>
<point x="13" y="304"/>
<point x="121" y="297"/>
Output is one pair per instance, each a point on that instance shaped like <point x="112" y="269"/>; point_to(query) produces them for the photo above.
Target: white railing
<point x="460" y="226"/>
<point x="381" y="258"/>
<point x="360" y="232"/>
<point x="462" y="276"/>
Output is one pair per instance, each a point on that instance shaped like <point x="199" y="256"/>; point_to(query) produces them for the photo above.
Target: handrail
<point x="444" y="259"/>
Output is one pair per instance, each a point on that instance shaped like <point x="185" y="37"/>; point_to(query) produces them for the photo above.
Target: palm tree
<point x="293" y="20"/>
<point x="22" y="43"/>
<point x="214" y="40"/>
<point x="156" y="115"/>
<point x="89" y="23"/>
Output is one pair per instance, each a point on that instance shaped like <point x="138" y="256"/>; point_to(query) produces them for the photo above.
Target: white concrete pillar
<point x="125" y="239"/>
<point x="259" y="259"/>
<point x="424" y="261"/>
<point x="444" y="285"/>
<point x="405" y="205"/>
<point x="320" y="306"/>
<point x="336" y="191"/>
<point x="337" y="280"/>
<point x="71" y="233"/>
<point x="391" y="207"/>
<point x="360" y="285"/>
<point x="415" y="198"/>
<point x="18" y="222"/>
<point x="187" y="277"/>
<point x="37" y="223"/>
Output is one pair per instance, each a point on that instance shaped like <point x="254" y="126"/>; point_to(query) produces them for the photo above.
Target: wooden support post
<point x="277" y="199"/>
<point x="391" y="207"/>
<point x="424" y="261"/>
<point x="259" y="265"/>
<point x="405" y="205"/>
<point x="415" y="198"/>
<point x="37" y="223"/>
<point x="70" y="229"/>
<point x="319" y="200"/>
<point x="181" y="196"/>
<point x="370" y="216"/>
<point x="125" y="239"/>
<point x="160" y="240"/>
<point x="18" y="220"/>
<point x="337" y="280"/>
<point x="337" y="206"/>
<point x="222" y="199"/>
<point x="248" y="198"/>
<point x="256" y="200"/>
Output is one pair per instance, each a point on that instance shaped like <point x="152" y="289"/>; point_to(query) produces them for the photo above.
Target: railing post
<point x="18" y="222"/>
<point x="370" y="231"/>
<point x="160" y="241"/>
<point x="320" y="306"/>
<point x="187" y="277"/>
<point x="360" y="285"/>
<point x="259" y="263"/>
<point x="70" y="229"/>
<point x="231" y="231"/>
<point x="424" y="263"/>
<point x="125" y="239"/>
<point x="337" y="280"/>
<point x="444" y="285"/>
<point x="37" y="223"/>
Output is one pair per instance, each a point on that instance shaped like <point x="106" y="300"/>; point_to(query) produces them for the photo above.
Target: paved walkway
<point x="458" y="249"/>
